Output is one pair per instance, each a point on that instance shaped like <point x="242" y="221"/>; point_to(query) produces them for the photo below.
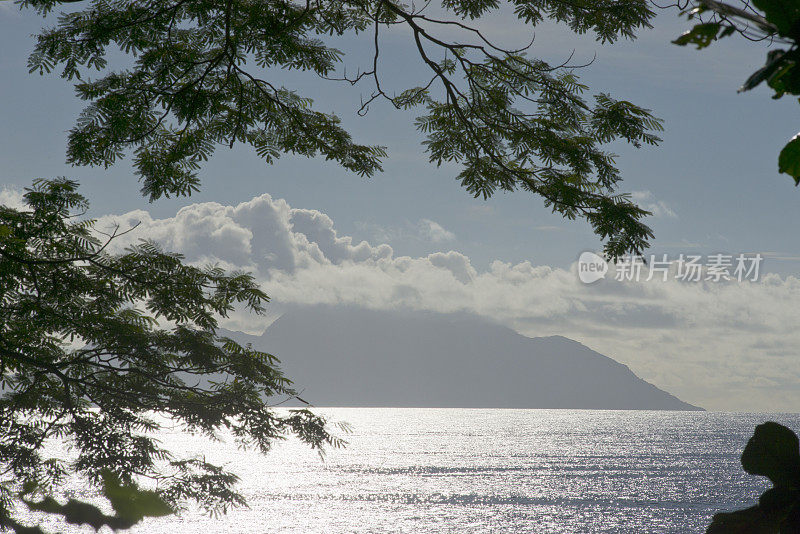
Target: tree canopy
<point x="203" y="73"/>
<point x="85" y="360"/>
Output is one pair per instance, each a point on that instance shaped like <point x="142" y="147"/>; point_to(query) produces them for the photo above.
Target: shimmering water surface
<point x="482" y="471"/>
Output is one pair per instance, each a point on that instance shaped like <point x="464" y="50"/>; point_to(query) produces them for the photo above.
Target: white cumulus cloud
<point x="435" y="231"/>
<point x="658" y="208"/>
<point x="12" y="198"/>
<point x="425" y="230"/>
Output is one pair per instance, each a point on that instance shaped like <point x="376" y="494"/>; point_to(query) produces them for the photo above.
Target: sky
<point x="411" y="237"/>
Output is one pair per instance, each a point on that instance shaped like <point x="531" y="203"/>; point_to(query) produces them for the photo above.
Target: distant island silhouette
<point x="345" y="356"/>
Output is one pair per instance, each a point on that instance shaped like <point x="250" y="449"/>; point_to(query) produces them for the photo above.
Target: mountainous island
<point x="342" y="356"/>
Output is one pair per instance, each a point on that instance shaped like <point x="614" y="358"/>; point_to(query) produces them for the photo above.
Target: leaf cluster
<point x="205" y="73"/>
<point x="84" y="360"/>
<point x="130" y="503"/>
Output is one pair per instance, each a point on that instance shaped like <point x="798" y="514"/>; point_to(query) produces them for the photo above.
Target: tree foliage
<point x="130" y="505"/>
<point x="204" y="73"/>
<point x="85" y="361"/>
<point x="777" y="21"/>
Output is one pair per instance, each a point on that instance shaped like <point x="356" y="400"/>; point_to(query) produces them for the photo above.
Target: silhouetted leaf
<point x="701" y="35"/>
<point x="74" y="512"/>
<point x="131" y="503"/>
<point x="789" y="159"/>
<point x="784" y="14"/>
<point x="775" y="59"/>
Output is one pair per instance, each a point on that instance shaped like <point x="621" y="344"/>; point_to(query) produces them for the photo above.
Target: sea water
<point x="483" y="471"/>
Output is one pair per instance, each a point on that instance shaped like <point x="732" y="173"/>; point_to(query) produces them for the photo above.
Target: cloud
<point x="646" y="200"/>
<point x="455" y="262"/>
<point x="720" y="345"/>
<point x="263" y="234"/>
<point x="425" y="230"/>
<point x="435" y="232"/>
<point x="12" y="197"/>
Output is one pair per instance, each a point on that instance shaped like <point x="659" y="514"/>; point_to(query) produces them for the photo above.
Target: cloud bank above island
<point x="726" y="346"/>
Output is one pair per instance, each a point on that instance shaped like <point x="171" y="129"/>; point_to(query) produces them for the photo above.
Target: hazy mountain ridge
<point x="356" y="357"/>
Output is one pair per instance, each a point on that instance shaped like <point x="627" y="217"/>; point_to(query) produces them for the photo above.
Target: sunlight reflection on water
<point x="479" y="471"/>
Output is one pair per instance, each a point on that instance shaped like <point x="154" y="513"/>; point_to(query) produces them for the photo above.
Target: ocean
<point x="410" y="470"/>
